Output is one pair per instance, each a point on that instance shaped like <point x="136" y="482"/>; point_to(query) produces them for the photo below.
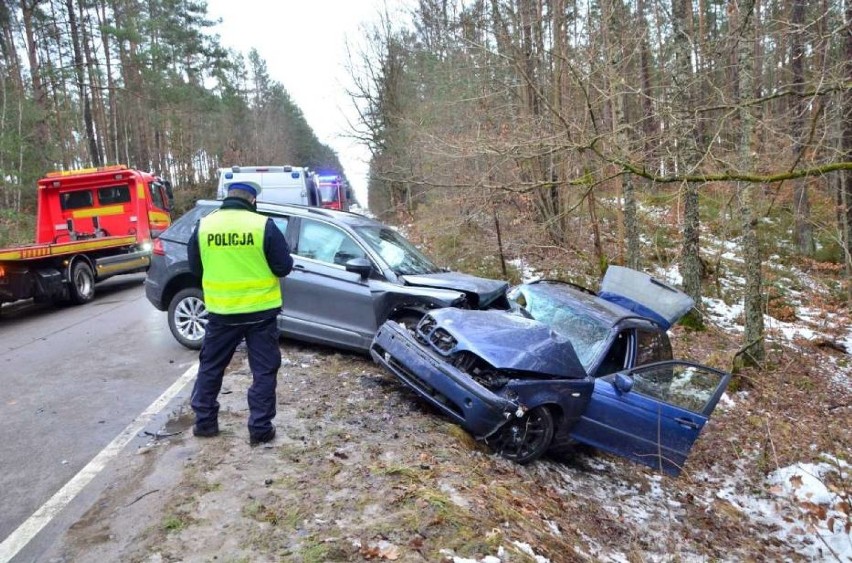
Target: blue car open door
<point x="652" y="414"/>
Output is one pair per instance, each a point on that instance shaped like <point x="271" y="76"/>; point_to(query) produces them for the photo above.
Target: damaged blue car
<point x="563" y="366"/>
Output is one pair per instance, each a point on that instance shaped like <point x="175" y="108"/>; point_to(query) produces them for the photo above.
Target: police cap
<point x="247" y="186"/>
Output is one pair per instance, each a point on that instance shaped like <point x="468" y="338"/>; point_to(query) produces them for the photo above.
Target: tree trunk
<point x="10" y="50"/>
<point x="94" y="154"/>
<point x="41" y="130"/>
<point x="596" y="232"/>
<point x="649" y="125"/>
<point x="95" y="89"/>
<point x="741" y="13"/>
<point x="803" y="232"/>
<point x="846" y="182"/>
<point x="112" y="150"/>
<point x="687" y="151"/>
<point x="57" y="94"/>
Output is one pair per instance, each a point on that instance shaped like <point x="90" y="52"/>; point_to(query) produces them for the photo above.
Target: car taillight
<point x="158" y="248"/>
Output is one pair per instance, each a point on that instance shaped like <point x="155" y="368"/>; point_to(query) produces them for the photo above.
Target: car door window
<point x="651" y="347"/>
<point x="686" y="386"/>
<point x="326" y="243"/>
<point x="616" y="357"/>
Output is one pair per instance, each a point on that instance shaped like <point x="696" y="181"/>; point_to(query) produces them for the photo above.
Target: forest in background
<point x="545" y="130"/>
<point x="138" y="82"/>
<point x="548" y="128"/>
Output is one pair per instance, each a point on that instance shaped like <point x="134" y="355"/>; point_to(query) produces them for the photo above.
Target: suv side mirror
<point x="360" y="266"/>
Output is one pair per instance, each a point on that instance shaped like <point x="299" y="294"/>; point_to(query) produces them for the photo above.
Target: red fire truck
<point x="91" y="224"/>
<point x="334" y="192"/>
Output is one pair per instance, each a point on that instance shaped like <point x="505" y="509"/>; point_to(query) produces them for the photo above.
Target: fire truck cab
<point x="334" y="192"/>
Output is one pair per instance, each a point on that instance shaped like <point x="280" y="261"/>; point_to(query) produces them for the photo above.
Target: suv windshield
<point x="402" y="257"/>
<point x="562" y="311"/>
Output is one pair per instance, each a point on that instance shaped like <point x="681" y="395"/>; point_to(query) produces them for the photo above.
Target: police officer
<point x="239" y="255"/>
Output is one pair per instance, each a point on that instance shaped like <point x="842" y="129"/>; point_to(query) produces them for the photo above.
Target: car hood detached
<point x="483" y="290"/>
<point x="511" y="342"/>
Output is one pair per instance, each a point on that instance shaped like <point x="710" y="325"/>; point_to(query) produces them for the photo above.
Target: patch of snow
<point x="651" y="509"/>
<point x="528" y="274"/>
<point x="499" y="558"/>
<point x="724" y="315"/>
<point x="732" y="257"/>
<point x="732" y="282"/>
<point x="799" y="508"/>
<point x="726" y="402"/>
<point x="647" y="210"/>
<point x="554" y="529"/>
<point x="525" y="548"/>
<point x="454" y="495"/>
<point x="841" y="375"/>
<point x="670" y="274"/>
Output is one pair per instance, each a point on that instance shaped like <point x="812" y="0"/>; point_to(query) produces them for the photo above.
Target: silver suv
<point x="350" y="275"/>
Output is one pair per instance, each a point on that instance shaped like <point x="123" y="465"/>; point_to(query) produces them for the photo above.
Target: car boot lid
<point x="645" y="295"/>
<point x="486" y="290"/>
<point x="510" y="342"/>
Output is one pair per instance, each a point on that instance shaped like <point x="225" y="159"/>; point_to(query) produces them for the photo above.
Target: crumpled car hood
<point x="510" y="341"/>
<point x="486" y="290"/>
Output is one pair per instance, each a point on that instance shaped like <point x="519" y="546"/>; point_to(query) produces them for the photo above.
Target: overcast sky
<point x="304" y="45"/>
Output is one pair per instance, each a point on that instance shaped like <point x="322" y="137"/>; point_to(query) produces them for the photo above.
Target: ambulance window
<point x="115" y="194"/>
<point x="75" y="200"/>
<point x="156" y="195"/>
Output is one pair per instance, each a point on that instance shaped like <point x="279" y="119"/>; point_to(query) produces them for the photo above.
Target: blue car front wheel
<point x="525" y="439"/>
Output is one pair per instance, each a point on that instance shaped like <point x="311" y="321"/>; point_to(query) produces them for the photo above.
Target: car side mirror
<point x="623" y="383"/>
<point x="360" y="266"/>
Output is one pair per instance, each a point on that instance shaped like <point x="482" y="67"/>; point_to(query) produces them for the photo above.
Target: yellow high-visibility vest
<point x="237" y="278"/>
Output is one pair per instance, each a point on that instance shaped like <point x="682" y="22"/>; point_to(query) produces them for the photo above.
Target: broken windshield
<point x="402" y="257"/>
<point x="563" y="313"/>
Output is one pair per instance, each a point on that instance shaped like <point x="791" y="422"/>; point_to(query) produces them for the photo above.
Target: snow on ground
<point x="528" y="274"/>
<point x="812" y="324"/>
<point x="800" y="508"/>
<point x="798" y="505"/>
<point x="670" y="274"/>
<point x="502" y="555"/>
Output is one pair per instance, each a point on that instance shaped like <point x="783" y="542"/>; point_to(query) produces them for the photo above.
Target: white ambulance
<point x="281" y="184"/>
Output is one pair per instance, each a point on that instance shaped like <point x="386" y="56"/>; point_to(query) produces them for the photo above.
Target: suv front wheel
<point x="188" y="317"/>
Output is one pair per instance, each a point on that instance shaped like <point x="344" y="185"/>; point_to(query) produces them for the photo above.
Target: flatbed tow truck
<point x="91" y="224"/>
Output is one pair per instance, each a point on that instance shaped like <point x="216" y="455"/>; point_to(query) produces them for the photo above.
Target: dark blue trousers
<point x="217" y="349"/>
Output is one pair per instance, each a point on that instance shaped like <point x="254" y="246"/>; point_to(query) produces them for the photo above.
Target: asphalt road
<point x="71" y="379"/>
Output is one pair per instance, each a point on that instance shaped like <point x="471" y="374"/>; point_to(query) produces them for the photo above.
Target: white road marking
<point x="41" y="517"/>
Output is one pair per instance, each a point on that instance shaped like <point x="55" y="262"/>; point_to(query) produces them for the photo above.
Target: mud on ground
<point x="362" y="470"/>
